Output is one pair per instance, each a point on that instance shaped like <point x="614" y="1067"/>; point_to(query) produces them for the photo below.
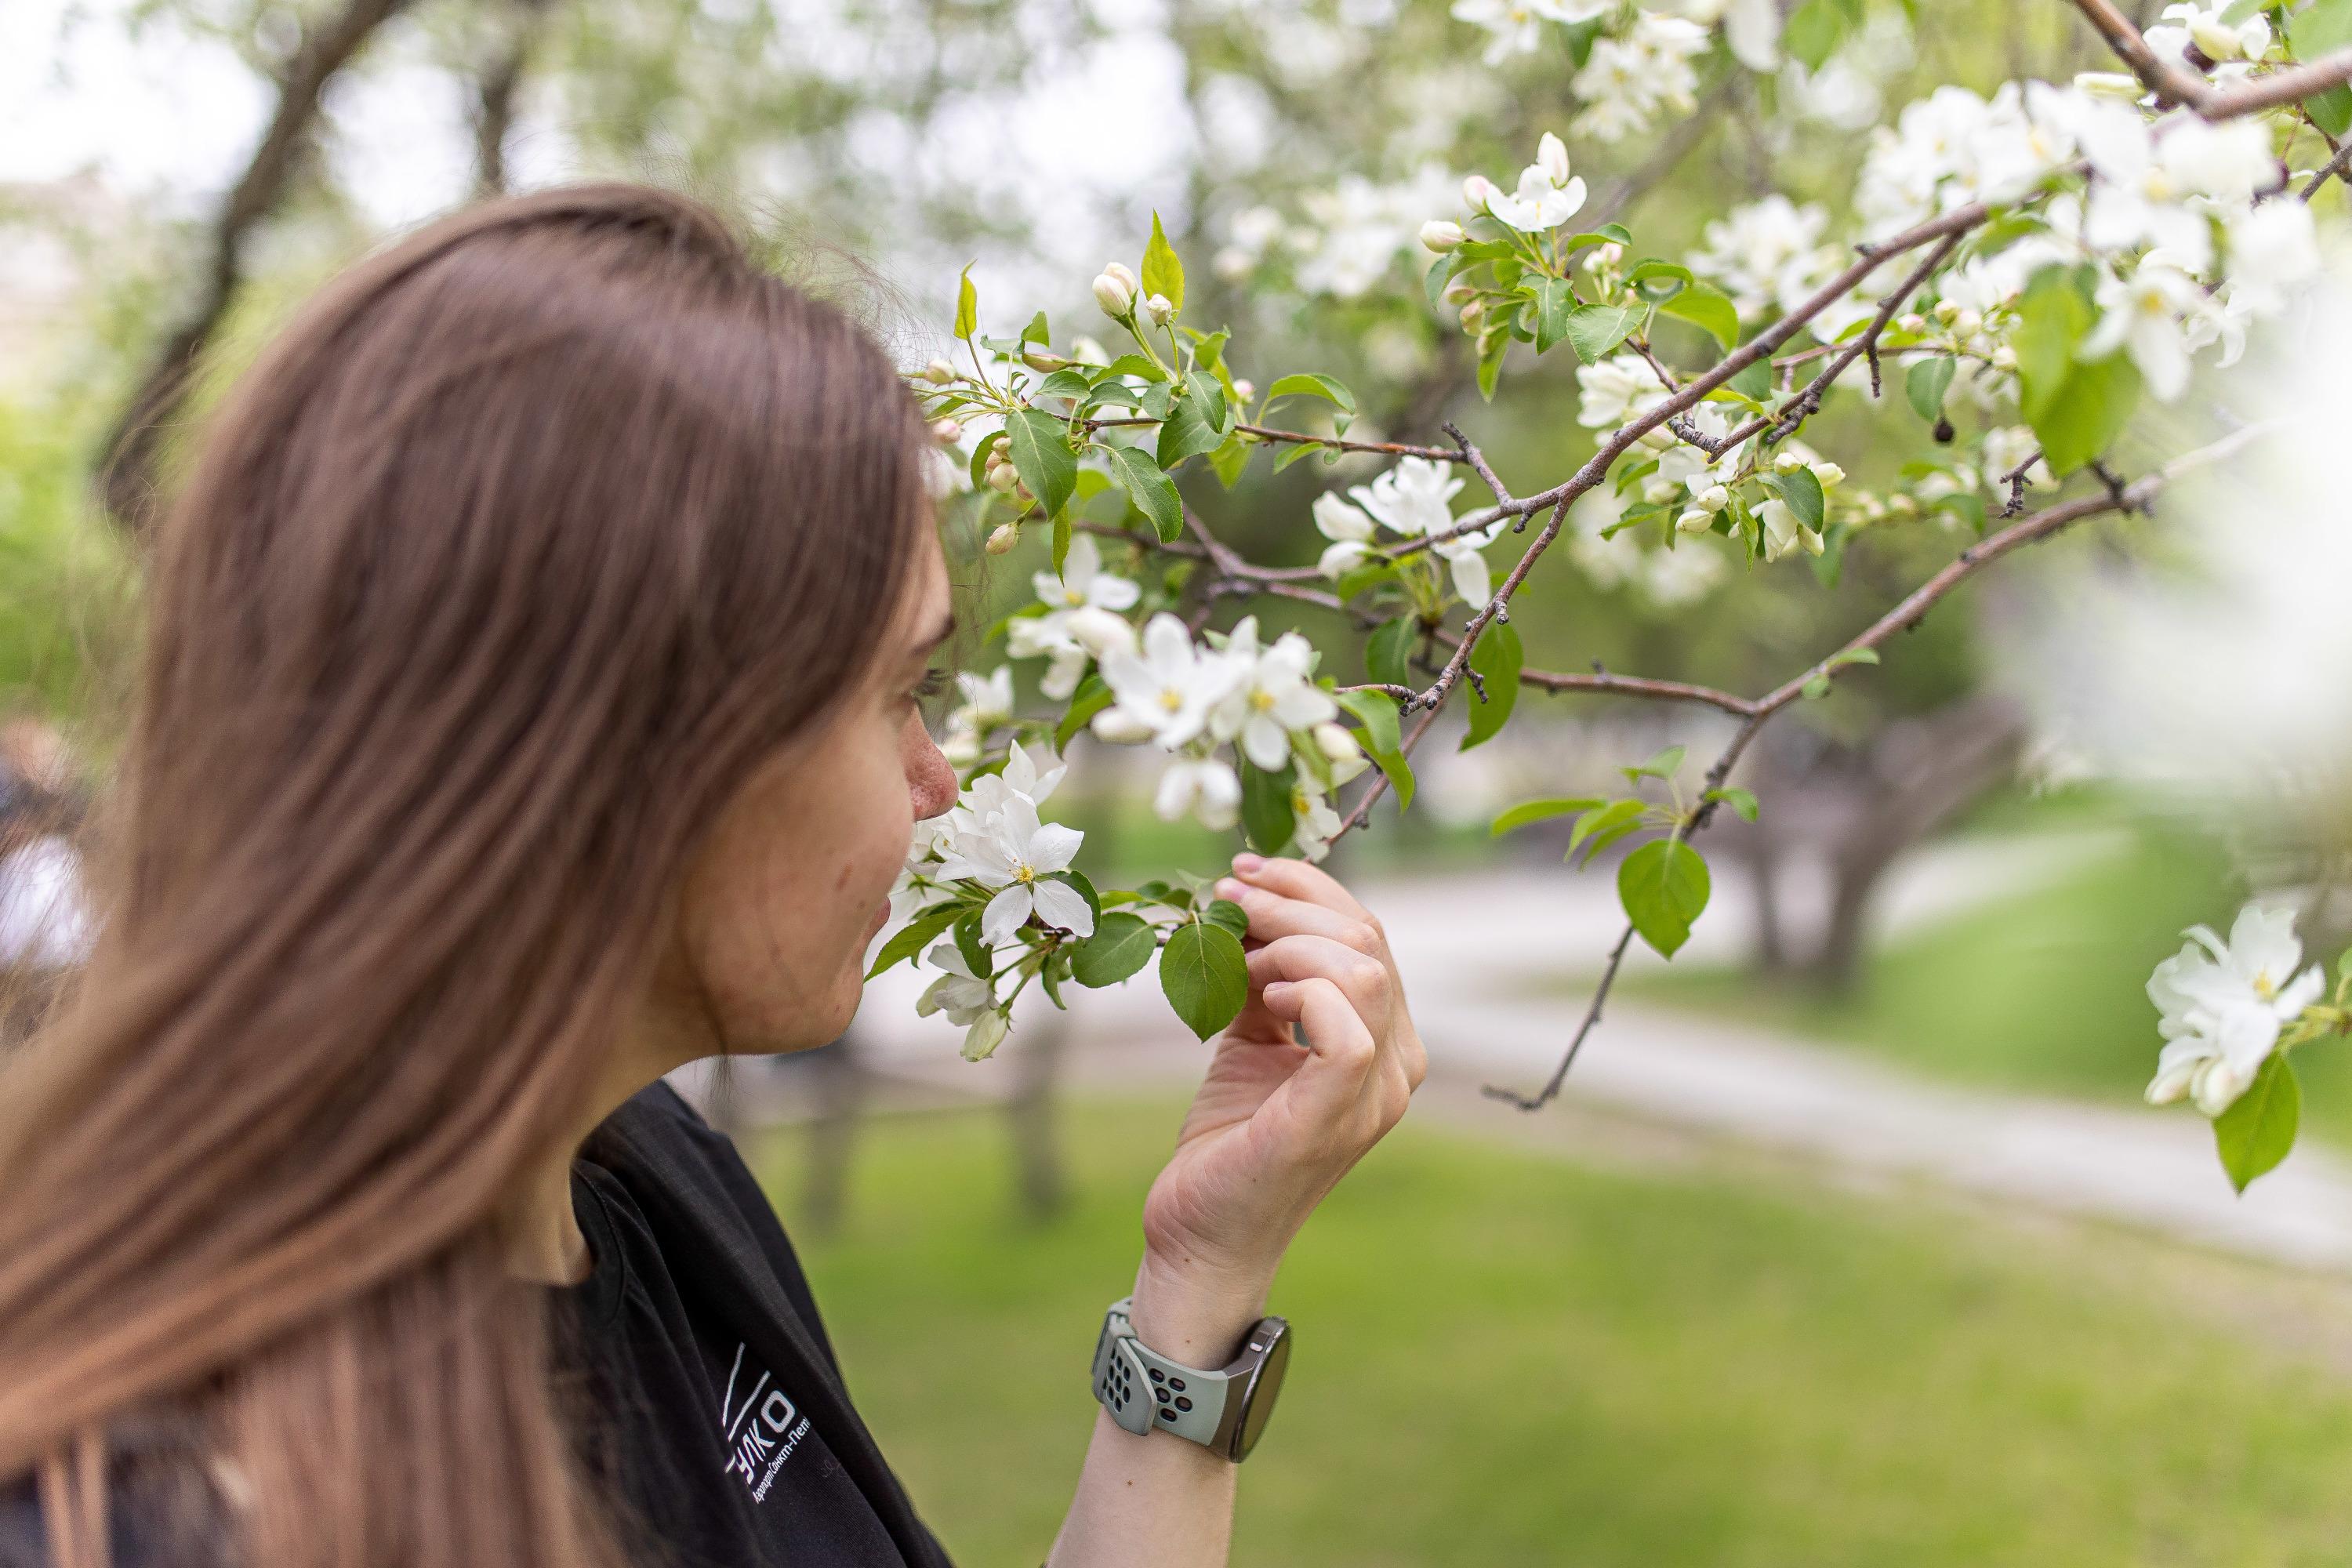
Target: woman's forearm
<point x="1157" y="1500"/>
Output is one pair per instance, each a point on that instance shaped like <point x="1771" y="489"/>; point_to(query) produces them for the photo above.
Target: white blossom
<point x="1783" y="532"/>
<point x="1273" y="697"/>
<point x="1314" y="823"/>
<point x="2223" y="1004"/>
<point x="1350" y="531"/>
<point x="962" y="995"/>
<point x="1009" y="849"/>
<point x="1627" y="81"/>
<point x="1169" y="686"/>
<point x="1205" y="786"/>
<point x="1766" y="253"/>
<point x="1616" y="390"/>
<point x="2143" y="315"/>
<point x="1515" y="26"/>
<point x="1082" y="581"/>
<point x="1548" y="195"/>
<point x="2217" y="39"/>
<point x="1048" y="637"/>
<point x="987" y="703"/>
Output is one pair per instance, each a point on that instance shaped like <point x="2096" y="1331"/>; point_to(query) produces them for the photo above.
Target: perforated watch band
<point x="1143" y="1389"/>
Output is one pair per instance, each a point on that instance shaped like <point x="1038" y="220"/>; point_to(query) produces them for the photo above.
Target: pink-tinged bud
<point x="1002" y="479"/>
<point x="1477" y="191"/>
<point x="1441" y="236"/>
<point x="1004" y="537"/>
<point x="1160" y="311"/>
<point x="1245" y="389"/>
<point x="1551" y="157"/>
<point x="946" y="432"/>
<point x="1114" y="295"/>
<point x="1037" y="358"/>
<point x="940" y="372"/>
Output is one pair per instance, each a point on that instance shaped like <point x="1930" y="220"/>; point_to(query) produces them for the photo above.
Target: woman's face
<point x="777" y="910"/>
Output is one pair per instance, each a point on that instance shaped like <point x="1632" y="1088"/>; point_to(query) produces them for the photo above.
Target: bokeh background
<point x="1848" y="1242"/>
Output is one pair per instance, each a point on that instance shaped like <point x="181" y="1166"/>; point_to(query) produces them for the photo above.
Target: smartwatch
<point x="1225" y="1410"/>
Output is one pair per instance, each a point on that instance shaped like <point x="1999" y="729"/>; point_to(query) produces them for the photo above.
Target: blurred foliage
<point x="1507" y="1358"/>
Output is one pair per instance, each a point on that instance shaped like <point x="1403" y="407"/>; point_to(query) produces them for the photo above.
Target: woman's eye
<point x="934" y="682"/>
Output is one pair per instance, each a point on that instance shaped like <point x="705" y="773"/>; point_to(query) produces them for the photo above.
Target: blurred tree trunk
<point x="133" y="449"/>
<point x="842" y="1086"/>
<point x="1042" y="1172"/>
<point x="495" y="90"/>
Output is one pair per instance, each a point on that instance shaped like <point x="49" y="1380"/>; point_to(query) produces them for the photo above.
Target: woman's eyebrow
<point x="926" y="647"/>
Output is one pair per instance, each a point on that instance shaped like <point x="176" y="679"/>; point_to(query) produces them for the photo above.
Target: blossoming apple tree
<point x="2023" y="272"/>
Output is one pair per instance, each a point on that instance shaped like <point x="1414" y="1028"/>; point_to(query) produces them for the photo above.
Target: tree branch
<point x="128" y="482"/>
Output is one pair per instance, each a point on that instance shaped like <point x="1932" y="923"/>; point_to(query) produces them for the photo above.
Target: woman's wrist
<point x="1195" y="1313"/>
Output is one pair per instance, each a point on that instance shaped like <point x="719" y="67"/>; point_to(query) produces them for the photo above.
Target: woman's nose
<point x="931" y="781"/>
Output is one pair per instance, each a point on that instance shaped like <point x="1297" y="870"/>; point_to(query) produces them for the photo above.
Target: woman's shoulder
<point x="163" y="1505"/>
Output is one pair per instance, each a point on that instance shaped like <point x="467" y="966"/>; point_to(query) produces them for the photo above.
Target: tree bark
<point x="129" y="483"/>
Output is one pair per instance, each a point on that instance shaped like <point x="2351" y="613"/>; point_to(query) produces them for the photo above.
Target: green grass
<point x="2043" y="990"/>
<point x="1506" y="1359"/>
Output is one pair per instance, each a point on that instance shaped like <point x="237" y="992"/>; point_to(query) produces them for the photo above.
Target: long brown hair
<point x="508" y="563"/>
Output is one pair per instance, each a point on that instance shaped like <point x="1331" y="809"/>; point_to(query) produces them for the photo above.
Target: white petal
<point x="1109" y="592"/>
<point x="1005" y="914"/>
<point x="1178" y="785"/>
<point x="1337" y="520"/>
<point x="1470" y="578"/>
<point x="1060" y="904"/>
<point x="1054" y="846"/>
<point x="1265" y="741"/>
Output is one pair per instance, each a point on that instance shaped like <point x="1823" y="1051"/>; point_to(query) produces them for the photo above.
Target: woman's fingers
<point x="1297" y="957"/>
<point x="1329" y="1087"/>
<point x="1274" y="916"/>
<point x="1298" y="879"/>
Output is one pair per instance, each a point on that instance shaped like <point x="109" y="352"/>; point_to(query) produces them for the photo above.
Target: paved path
<point x="1469" y="947"/>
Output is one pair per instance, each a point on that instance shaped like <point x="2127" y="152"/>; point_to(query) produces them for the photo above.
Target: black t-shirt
<point x="724" y="1413"/>
<point x="710" y="1404"/>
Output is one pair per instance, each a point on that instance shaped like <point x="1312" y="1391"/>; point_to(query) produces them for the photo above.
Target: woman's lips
<point x="881" y="918"/>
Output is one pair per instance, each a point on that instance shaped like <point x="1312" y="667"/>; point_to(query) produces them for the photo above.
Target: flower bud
<point x="1658" y="492"/>
<point x="939" y="373"/>
<point x="1694" y="520"/>
<point x="1473" y="315"/>
<point x="1114" y="295"/>
<point x="1002" y="477"/>
<point x="1657" y="438"/>
<point x="1245" y="388"/>
<point x="1120" y="728"/>
<point x="1967" y="324"/>
<point x="2004" y="358"/>
<point x="1038" y="358"/>
<point x="1912" y="321"/>
<point x="1100" y="632"/>
<point x="1336" y="743"/>
<point x="1461" y="292"/>
<point x="946" y="432"/>
<point x="1440" y="236"/>
<point x="2215" y="40"/>
<point x="1604" y="258"/>
<point x="1829" y="474"/>
<point x="1786" y="463"/>
<point x="1003" y="538"/>
<point x="1477" y="191"/>
<point x="2109" y="84"/>
<point x="1715" y="498"/>
<point x="1160" y="311"/>
<point x="1901" y="504"/>
<point x="1551" y="157"/>
<point x="1946" y="309"/>
<point x="987" y="1033"/>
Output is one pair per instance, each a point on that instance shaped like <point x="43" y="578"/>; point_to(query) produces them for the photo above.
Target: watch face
<point x="1264" y="1387"/>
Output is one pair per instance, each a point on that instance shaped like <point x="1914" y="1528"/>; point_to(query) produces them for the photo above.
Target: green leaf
<point x="1555" y="302"/>
<point x="974" y="949"/>
<point x="1130" y="364"/>
<point x="1497" y="660"/>
<point x="1122" y="944"/>
<point x="1204" y="976"/>
<point x="2322" y="27"/>
<point x="1490" y="367"/>
<point x="1740" y="800"/>
<point x="1356" y="579"/>
<point x="2258" y="1129"/>
<point x="1037" y="331"/>
<point x="1187" y="431"/>
<point x="1529" y="810"/>
<point x="1211" y="394"/>
<point x="1061" y="540"/>
<point x="1229" y="461"/>
<point x="1377" y="712"/>
<point x="1802" y="493"/>
<point x="1091" y="698"/>
<point x="1661" y="766"/>
<point x="1042" y="456"/>
<point x="1230" y="915"/>
<point x="1708" y="307"/>
<point x="1307" y="384"/>
<point x="1266" y="811"/>
<point x="967" y="319"/>
<point x="1153" y="493"/>
<point x="1664" y="886"/>
<point x="1617" y="816"/>
<point x="1815" y="33"/>
<point x="2088" y="413"/>
<point x="1388" y="652"/>
<point x="2053" y="315"/>
<point x="918" y="934"/>
<point x="1925" y="383"/>
<point x="1754" y="381"/>
<point x="1595" y="330"/>
<point x="1846" y="656"/>
<point x="1163" y="270"/>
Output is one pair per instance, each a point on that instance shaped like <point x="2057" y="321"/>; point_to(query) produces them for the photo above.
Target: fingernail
<point x="1246" y="862"/>
<point x="1228" y="889"/>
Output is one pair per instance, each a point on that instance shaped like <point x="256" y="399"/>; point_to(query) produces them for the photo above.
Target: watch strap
<point x="1143" y="1389"/>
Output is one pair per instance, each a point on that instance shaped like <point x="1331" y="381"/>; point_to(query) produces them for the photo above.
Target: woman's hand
<point x="1275" y="1123"/>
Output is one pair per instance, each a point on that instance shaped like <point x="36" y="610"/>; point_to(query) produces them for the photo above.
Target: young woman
<point x="530" y="707"/>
